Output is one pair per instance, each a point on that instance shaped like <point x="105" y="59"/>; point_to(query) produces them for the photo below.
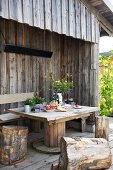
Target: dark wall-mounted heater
<point x="27" y="51"/>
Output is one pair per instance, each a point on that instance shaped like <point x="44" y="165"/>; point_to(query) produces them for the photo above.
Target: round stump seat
<point x="14" y="144"/>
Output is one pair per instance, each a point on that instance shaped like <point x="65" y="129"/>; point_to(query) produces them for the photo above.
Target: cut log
<point x="14" y="144"/>
<point x="84" y="154"/>
<point x="102" y="127"/>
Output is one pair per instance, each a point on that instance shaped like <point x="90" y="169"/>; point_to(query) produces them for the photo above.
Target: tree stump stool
<point x="14" y="141"/>
<point x="102" y="127"/>
<point x="84" y="154"/>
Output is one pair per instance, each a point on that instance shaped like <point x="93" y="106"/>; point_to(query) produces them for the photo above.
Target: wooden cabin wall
<point x="68" y="17"/>
<point x="22" y="73"/>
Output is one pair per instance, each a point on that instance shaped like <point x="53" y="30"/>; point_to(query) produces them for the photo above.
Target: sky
<point x="111" y="1"/>
<point x="106" y="43"/>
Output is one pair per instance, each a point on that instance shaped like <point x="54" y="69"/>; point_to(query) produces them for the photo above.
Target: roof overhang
<point x="103" y="10"/>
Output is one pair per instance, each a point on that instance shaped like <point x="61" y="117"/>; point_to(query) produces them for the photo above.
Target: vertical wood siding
<point x="23" y="73"/>
<point x="69" y="17"/>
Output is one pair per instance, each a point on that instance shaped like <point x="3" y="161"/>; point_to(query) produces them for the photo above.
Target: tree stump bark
<point x="84" y="154"/>
<point x="102" y="127"/>
<point x="14" y="141"/>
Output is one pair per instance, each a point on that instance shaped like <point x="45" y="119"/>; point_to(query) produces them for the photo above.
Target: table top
<point x="53" y="116"/>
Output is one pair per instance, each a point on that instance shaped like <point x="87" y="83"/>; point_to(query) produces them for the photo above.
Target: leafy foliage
<point x="30" y="101"/>
<point x="37" y="99"/>
<point x="62" y="85"/>
<point x="106" y="85"/>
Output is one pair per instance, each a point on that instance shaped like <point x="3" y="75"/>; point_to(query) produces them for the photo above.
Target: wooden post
<point x="53" y="134"/>
<point x="14" y="141"/>
<point x="102" y="127"/>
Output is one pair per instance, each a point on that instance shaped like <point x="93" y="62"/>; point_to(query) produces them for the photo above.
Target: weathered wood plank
<point x="72" y="18"/>
<point x="3" y="59"/>
<point x="15" y="10"/>
<point x="94" y="75"/>
<point x="48" y="14"/>
<point x="93" y="27"/>
<point x="58" y="14"/>
<point x="27" y="12"/>
<point x="3" y="62"/>
<point x="86" y="77"/>
<point x="88" y="25"/>
<point x="4" y="11"/>
<point x="65" y="28"/>
<point x="54" y="15"/>
<point x="12" y="9"/>
<point x="12" y="59"/>
<point x="97" y="31"/>
<point x="28" y="65"/>
<point x="19" y="11"/>
<point x="1" y="49"/>
<point x="23" y="60"/>
<point x="83" y="22"/>
<point x="19" y="59"/>
<point x="38" y="12"/>
<point x="78" y="31"/>
<point x="81" y="54"/>
<point x="34" y="74"/>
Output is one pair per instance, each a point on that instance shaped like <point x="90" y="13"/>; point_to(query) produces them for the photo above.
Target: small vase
<point x="27" y="108"/>
<point x="60" y="98"/>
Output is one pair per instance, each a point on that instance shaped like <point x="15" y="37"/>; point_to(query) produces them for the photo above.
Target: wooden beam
<point x="103" y="22"/>
<point x="108" y="4"/>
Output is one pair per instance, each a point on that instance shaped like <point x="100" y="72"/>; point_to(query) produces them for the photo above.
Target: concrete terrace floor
<point x="39" y="161"/>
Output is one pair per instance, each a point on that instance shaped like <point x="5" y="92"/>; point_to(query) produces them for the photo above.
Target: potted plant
<point x="61" y="86"/>
<point x="39" y="103"/>
<point x="28" y="103"/>
<point x="38" y="108"/>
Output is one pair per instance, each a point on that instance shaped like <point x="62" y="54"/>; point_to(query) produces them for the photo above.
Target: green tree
<point x="106" y="85"/>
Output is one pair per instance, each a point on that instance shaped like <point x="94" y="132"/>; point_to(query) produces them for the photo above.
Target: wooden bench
<point x="12" y="98"/>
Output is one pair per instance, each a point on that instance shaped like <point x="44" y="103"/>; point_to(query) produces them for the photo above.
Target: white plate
<point x="79" y="107"/>
<point x="49" y="110"/>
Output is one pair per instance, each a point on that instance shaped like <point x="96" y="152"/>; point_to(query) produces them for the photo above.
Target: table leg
<point x="83" y="124"/>
<point x="53" y="134"/>
<point x="36" y="125"/>
<point x="20" y="121"/>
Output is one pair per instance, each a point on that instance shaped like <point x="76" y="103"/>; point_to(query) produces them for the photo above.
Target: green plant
<point x="30" y="101"/>
<point x="106" y="85"/>
<point x="62" y="85"/>
<point x="38" y="100"/>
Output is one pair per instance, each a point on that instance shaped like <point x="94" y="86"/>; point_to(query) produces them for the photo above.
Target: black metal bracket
<point x="27" y="51"/>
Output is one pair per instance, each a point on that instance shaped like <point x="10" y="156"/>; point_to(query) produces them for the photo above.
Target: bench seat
<point x="7" y="117"/>
<point x="12" y="98"/>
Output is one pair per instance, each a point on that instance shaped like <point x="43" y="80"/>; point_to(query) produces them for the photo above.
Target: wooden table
<point x="54" y="122"/>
